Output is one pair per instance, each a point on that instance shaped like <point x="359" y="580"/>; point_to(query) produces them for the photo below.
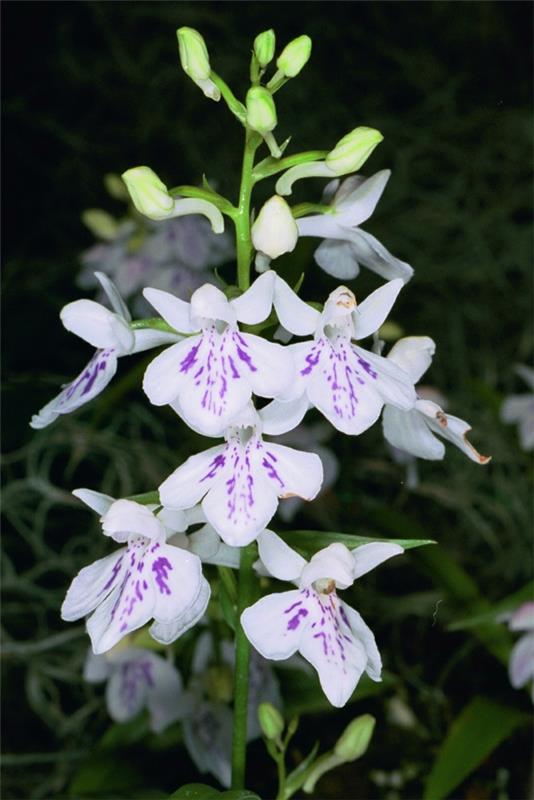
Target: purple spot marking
<point x="191" y="358"/>
<point x="298" y="603"/>
<point x="312" y="359"/>
<point x="367" y="367"/>
<point x="322" y="636"/>
<point x="218" y="462"/>
<point x="116" y="568"/>
<point x="161" y="568"/>
<point x="246" y="358"/>
<point x="294" y="622"/>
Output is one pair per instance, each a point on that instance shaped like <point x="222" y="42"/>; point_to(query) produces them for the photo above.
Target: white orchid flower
<point x="241" y="481"/>
<point x="210" y="377"/>
<point x="348" y="384"/>
<point x="146" y="579"/>
<point x="521" y="664"/>
<point x="519" y="409"/>
<point x="136" y="679"/>
<point x="312" y="620"/>
<point x="414" y="430"/>
<point x="346" y="245"/>
<point x="108" y="331"/>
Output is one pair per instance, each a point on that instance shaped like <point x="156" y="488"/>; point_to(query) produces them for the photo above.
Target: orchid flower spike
<point x="108" y="331"/>
<point x="146" y="579"/>
<point x="135" y="679"/>
<point x="210" y="377"/>
<point x="151" y="198"/>
<point x="312" y="620"/>
<point x="519" y="409"/>
<point x="349" y="154"/>
<point x="345" y="244"/>
<point x="241" y="481"/>
<point x="346" y="383"/>
<point x="414" y="430"/>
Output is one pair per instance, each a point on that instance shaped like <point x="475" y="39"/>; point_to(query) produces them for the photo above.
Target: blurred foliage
<point x="95" y="87"/>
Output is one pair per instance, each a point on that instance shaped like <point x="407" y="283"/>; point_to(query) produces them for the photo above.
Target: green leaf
<point x="296" y="778"/>
<point x="228" y="607"/>
<point x="240" y="794"/>
<point x="311" y="541"/>
<point x="509" y="603"/>
<point x="196" y="791"/>
<point x="103" y="775"/>
<point x="480" y="728"/>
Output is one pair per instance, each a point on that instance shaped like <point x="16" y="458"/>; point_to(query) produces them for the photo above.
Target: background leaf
<point x="308" y="542"/>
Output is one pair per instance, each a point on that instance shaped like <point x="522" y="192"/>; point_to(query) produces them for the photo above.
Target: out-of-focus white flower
<point x="108" y="331"/>
<point x="346" y="245"/>
<point x="518" y="409"/>
<point x="521" y="664"/>
<point x="135" y="679"/>
<point x="327" y="632"/>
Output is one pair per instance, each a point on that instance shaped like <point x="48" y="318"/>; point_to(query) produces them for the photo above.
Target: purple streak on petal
<point x="161" y="568"/>
<point x="217" y="463"/>
<point x="322" y="636"/>
<point x="191" y="358"/>
<point x="114" y="573"/>
<point x="294" y="622"/>
<point x="298" y="603"/>
<point x="312" y="359"/>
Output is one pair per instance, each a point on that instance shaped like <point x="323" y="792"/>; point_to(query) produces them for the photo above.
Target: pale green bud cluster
<point x="353" y="150"/>
<point x="294" y="56"/>
<point x="261" y="110"/>
<point x="264" y="45"/>
<point x="271" y="721"/>
<point x="195" y="60"/>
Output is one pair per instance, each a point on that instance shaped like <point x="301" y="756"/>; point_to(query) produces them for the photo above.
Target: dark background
<point x="96" y="87"/>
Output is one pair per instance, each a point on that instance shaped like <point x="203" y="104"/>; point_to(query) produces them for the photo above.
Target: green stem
<point x="242" y="218"/>
<point x="281" y="769"/>
<point x="236" y="107"/>
<point x="242" y="658"/>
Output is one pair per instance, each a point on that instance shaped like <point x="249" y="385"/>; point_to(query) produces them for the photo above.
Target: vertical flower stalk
<point x="242" y="218"/>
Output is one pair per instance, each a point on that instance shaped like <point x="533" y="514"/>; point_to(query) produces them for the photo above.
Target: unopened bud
<point x="355" y="739"/>
<point x="261" y="110"/>
<point x="195" y="60"/>
<point x="115" y="186"/>
<point x="264" y="45"/>
<point x="353" y="150"/>
<point x="294" y="56"/>
<point x="271" y="721"/>
<point x="275" y="231"/>
<point x="149" y="194"/>
<point x="100" y="223"/>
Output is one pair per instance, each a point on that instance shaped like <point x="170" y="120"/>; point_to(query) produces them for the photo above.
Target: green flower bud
<point x="149" y="194"/>
<point x="355" y="739"/>
<point x="264" y="45"/>
<point x="353" y="150"/>
<point x="271" y="721"/>
<point x="261" y="110"/>
<point x="195" y="60"/>
<point x="100" y="223"/>
<point x="115" y="186"/>
<point x="294" y="56"/>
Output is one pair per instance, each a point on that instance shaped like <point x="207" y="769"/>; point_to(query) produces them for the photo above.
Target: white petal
<point x="293" y="313"/>
<point x="174" y="520"/>
<point x="127" y="688"/>
<point x="280" y="560"/>
<point x="96" y="500"/>
<point x="409" y="432"/>
<point x="354" y="207"/>
<point x="334" y="562"/>
<point x="279" y="418"/>
<point x="413" y="354"/>
<point x="241" y="504"/>
<point x="173" y="310"/>
<point x="166" y="375"/>
<point x="207" y="545"/>
<point x="208" y="303"/>
<point x="275" y="624"/>
<point x="451" y="428"/>
<point x="523" y="618"/>
<point x="305" y="356"/>
<point x="325" y="226"/>
<point x="527" y="373"/>
<point x="367" y="639"/>
<point x="337" y="258"/>
<point x="125" y="517"/>
<point x="368" y="556"/>
<point x="273" y="371"/>
<point x="92" y="584"/>
<point x="521" y="666"/>
<point x="97" y="325"/>
<point x="371" y="313"/>
<point x="164" y="698"/>
<point x="167" y="632"/>
<point x="177" y="576"/>
<point x="90" y="382"/>
<point x="147" y="338"/>
<point x="372" y="254"/>
<point x="330" y="645"/>
<point x="96" y="669"/>
<point x="393" y="384"/>
<point x="255" y="304"/>
<point x="117" y="303"/>
<point x="515" y="407"/>
<point x="189" y="483"/>
<point x="292" y="472"/>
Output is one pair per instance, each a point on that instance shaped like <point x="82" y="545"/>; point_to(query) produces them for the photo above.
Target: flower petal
<point x="91" y="381"/>
<point x="97" y="325"/>
<point x="393" y="384"/>
<point x="280" y="417"/>
<point x="334" y="562"/>
<point x="173" y="310"/>
<point x="275" y="624"/>
<point x="96" y="500"/>
<point x="125" y="517"/>
<point x="92" y="584"/>
<point x="413" y="354"/>
<point x="515" y="407"/>
<point x="280" y="560"/>
<point x="167" y="374"/>
<point x="337" y="258"/>
<point x="189" y="483"/>
<point x="117" y="303"/>
<point x="451" y="428"/>
<point x="209" y="304"/>
<point x="207" y="545"/>
<point x="521" y="665"/>
<point x="371" y="313"/>
<point x="356" y="206"/>
<point x="365" y="635"/>
<point x="409" y="432"/>
<point x="127" y="688"/>
<point x="208" y="739"/>
<point x="148" y="338"/>
<point x="167" y="632"/>
<point x="293" y="313"/>
<point x="292" y="472"/>
<point x="177" y="577"/>
<point x="372" y="254"/>
<point x="325" y="226"/>
<point x="96" y="669"/>
<point x="164" y="698"/>
<point x="274" y="371"/>
<point x="255" y="304"/>
<point x="523" y="618"/>
<point x="368" y="556"/>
